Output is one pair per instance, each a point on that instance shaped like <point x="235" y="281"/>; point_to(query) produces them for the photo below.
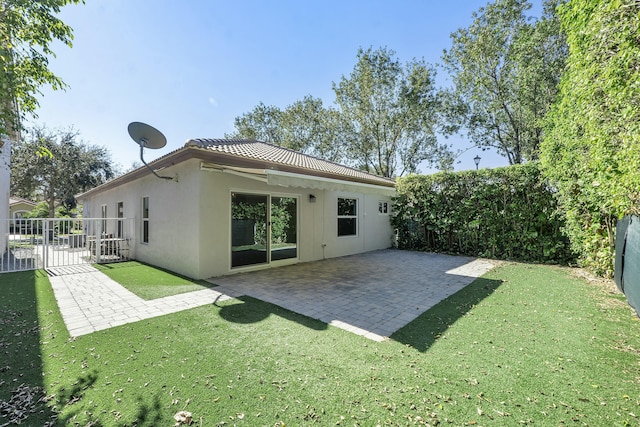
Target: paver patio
<point x="371" y="294"/>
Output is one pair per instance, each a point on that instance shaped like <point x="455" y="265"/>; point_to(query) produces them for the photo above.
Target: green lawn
<point x="524" y="345"/>
<point x="150" y="282"/>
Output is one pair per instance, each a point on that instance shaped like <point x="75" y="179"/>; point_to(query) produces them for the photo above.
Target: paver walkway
<point x="90" y="301"/>
<point x="371" y="294"/>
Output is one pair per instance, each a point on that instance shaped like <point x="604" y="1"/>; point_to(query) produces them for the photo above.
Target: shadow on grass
<point x="22" y="393"/>
<point x="252" y="310"/>
<point x="148" y="414"/>
<point x="423" y="331"/>
<point x="23" y="397"/>
<point x="66" y="397"/>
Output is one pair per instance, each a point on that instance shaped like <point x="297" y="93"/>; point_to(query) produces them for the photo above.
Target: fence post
<point x="98" y="246"/>
<point x="45" y="243"/>
<point x="5" y="247"/>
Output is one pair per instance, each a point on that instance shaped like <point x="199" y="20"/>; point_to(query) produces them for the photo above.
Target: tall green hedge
<point x="591" y="148"/>
<point x="504" y="213"/>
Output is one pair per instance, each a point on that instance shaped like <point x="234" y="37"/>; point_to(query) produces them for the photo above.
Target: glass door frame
<point x="286" y="259"/>
<point x="269" y="261"/>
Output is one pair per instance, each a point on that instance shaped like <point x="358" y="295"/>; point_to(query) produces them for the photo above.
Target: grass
<point x="524" y="345"/>
<point x="149" y="282"/>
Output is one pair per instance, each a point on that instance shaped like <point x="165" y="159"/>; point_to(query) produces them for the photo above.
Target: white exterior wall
<point x="215" y="243"/>
<point x="373" y="229"/>
<point x="190" y="221"/>
<point x="173" y="217"/>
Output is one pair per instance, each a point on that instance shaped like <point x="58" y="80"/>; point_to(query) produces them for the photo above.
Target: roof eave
<point x="244" y="162"/>
<point x="192" y="152"/>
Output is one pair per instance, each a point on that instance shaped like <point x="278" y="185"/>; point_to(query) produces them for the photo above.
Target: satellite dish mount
<point x="147" y="136"/>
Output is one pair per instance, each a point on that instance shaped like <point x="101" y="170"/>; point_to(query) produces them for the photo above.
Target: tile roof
<point x="250" y="154"/>
<point x="269" y="153"/>
<point x="14" y="199"/>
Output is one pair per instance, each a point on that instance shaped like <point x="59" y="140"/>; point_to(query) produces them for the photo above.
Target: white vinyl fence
<point x="60" y="242"/>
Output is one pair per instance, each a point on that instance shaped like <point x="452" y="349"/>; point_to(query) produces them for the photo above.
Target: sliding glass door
<point x="263" y="229"/>
<point x="248" y="229"/>
<point x="284" y="228"/>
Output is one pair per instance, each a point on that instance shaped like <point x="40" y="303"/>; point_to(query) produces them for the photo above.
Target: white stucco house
<point x="238" y="205"/>
<point x="19" y="207"/>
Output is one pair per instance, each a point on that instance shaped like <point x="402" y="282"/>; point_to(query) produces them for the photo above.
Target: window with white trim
<point x="119" y="215"/>
<point x="145" y="220"/>
<point x="347" y="217"/>
<point x="103" y="223"/>
<point x="383" y="208"/>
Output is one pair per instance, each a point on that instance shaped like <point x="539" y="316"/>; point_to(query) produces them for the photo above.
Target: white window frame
<point x="103" y="215"/>
<point x="17" y="215"/>
<point x="119" y="221"/>
<point x="144" y="221"/>
<point x="354" y="216"/>
<point x="383" y="208"/>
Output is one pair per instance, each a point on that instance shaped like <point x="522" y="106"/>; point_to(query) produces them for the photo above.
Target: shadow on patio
<point x="371" y="294"/>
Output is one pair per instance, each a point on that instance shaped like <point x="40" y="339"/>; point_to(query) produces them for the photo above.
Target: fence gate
<point x="64" y="242"/>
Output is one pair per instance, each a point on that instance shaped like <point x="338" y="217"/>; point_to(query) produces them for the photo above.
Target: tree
<point x="590" y="151"/>
<point x="505" y="69"/>
<point x="385" y="121"/>
<point x="309" y="127"/>
<point x="388" y="112"/>
<point x="28" y="28"/>
<point x="304" y="126"/>
<point x="69" y="168"/>
<point x="264" y="123"/>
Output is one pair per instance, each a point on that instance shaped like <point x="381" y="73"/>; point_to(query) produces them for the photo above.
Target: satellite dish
<point x="147" y="136"/>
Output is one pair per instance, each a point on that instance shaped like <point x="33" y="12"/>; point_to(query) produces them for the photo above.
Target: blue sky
<point x="190" y="67"/>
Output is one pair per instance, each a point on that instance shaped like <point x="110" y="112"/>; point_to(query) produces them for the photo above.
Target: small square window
<point x="383" y="208"/>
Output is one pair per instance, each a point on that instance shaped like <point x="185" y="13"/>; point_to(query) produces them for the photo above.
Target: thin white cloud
<point x="213" y="102"/>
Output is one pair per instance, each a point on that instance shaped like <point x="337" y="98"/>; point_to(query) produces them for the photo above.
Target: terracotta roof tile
<point x="270" y="153"/>
<point x="259" y="154"/>
<point x="15" y="199"/>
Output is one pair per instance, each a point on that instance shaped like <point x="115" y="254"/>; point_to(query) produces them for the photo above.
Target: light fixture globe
<point x="476" y="160"/>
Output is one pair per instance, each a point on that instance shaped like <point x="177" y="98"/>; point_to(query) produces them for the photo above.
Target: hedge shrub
<point x="504" y="213"/>
<point x="591" y="148"/>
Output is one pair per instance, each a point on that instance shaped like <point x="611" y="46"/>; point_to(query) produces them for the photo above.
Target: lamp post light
<point x="476" y="160"/>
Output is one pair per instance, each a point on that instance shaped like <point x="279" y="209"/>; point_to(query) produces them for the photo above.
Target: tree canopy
<point x="28" y="28"/>
<point x="389" y="113"/>
<point x="591" y="151"/>
<point x="384" y="121"/>
<point x="305" y="126"/>
<point x="66" y="167"/>
<point x="505" y="69"/>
